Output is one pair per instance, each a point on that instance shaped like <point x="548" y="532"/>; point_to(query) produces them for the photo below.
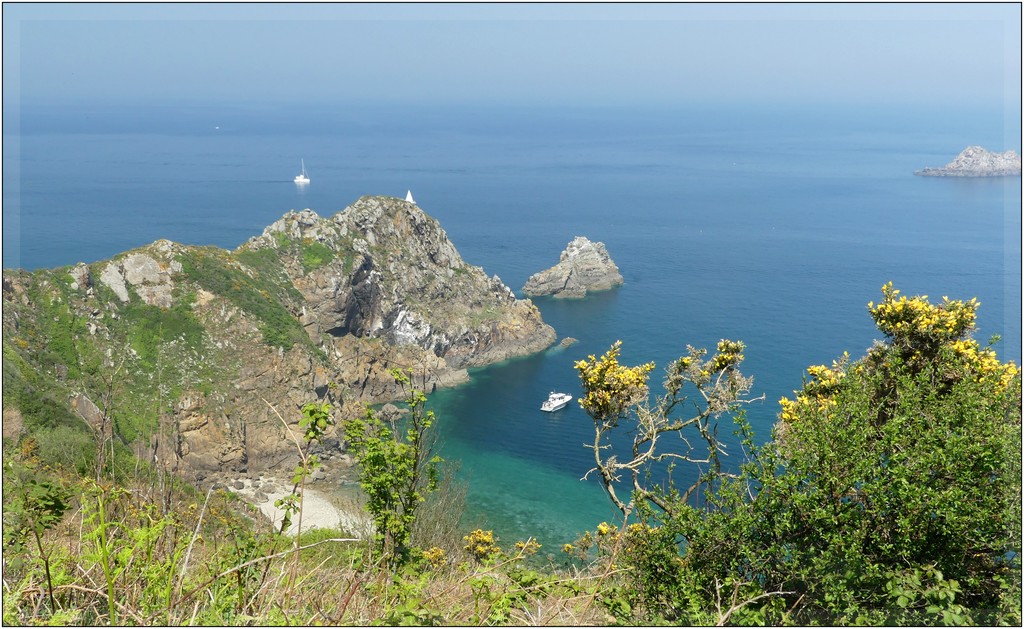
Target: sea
<point x="770" y="224"/>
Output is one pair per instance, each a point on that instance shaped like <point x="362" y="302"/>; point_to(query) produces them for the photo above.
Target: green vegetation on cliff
<point x="264" y="295"/>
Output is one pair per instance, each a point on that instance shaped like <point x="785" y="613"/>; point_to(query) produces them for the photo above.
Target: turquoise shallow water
<point x="772" y="227"/>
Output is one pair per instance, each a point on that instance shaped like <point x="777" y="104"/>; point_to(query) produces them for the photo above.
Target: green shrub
<point x="397" y="471"/>
<point x="54" y="332"/>
<point x="36" y="397"/>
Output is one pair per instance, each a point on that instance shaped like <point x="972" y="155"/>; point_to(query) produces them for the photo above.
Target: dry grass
<point x="212" y="559"/>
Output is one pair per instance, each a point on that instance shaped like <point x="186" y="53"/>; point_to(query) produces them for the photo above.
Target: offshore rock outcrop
<point x="583" y="267"/>
<point x="229" y="345"/>
<point x="974" y="161"/>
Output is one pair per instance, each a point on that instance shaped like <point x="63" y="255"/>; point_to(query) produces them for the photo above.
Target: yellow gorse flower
<point x="435" y="556"/>
<point x="611" y="388"/>
<point x="637" y="528"/>
<point x="528" y="547"/>
<point x="918" y="320"/>
<point x="818" y="391"/>
<point x="984" y="364"/>
<point x="481" y="544"/>
<point x="921" y="330"/>
<point x="729" y="354"/>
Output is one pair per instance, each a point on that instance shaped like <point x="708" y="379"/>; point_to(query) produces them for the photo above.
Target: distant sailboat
<point x="302" y="177"/>
<point x="408" y="197"/>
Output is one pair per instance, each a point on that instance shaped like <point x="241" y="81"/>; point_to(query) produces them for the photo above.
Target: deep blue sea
<point x="771" y="226"/>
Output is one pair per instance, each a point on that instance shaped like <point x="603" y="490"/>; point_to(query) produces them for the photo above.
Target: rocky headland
<point x="975" y="161"/>
<point x="583" y="267"/>
<point x="201" y="358"/>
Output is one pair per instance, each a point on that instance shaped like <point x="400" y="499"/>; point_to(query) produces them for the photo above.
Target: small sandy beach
<point x="318" y="509"/>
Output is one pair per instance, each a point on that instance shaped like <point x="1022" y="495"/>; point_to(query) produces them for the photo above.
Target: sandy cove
<point x="319" y="511"/>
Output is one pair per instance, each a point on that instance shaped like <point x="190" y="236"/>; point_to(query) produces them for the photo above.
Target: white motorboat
<point x="302" y="177"/>
<point x="555" y="402"/>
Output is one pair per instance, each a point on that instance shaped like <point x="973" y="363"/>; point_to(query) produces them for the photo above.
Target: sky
<point x="76" y="55"/>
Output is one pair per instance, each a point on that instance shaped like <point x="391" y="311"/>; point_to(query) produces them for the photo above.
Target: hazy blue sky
<point x="73" y="54"/>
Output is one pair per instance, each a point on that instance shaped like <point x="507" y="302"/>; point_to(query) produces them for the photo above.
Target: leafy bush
<point x="396" y="471"/>
<point x="34" y="504"/>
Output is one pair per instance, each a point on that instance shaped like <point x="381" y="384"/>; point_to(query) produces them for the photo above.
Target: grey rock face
<point x="394" y="293"/>
<point x="151" y="278"/>
<point x="397" y="277"/>
<point x="974" y="161"/>
<point x="80" y="277"/>
<point x="584" y="266"/>
<point x="113" y="277"/>
<point x="87" y="410"/>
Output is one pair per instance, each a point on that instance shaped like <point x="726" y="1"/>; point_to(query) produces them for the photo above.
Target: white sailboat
<point x="302" y="177"/>
<point x="408" y="197"/>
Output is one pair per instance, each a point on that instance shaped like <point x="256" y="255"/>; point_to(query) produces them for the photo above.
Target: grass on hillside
<point x="141" y="547"/>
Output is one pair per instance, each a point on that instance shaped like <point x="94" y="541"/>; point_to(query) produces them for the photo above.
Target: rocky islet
<point x="975" y="161"/>
<point x="583" y="267"/>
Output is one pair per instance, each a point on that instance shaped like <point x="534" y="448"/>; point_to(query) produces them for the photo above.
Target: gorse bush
<point x="889" y="495"/>
<point x="910" y="458"/>
<point x="482" y="545"/>
<point x="614" y="393"/>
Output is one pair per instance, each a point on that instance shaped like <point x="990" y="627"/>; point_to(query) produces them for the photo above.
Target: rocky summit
<point x="584" y="266"/>
<point x="203" y="356"/>
<point x="975" y="161"/>
<point x="389" y="272"/>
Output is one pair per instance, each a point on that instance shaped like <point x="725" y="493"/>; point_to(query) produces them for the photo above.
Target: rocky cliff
<point x="584" y="266"/>
<point x="974" y="161"/>
<point x="201" y="356"/>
